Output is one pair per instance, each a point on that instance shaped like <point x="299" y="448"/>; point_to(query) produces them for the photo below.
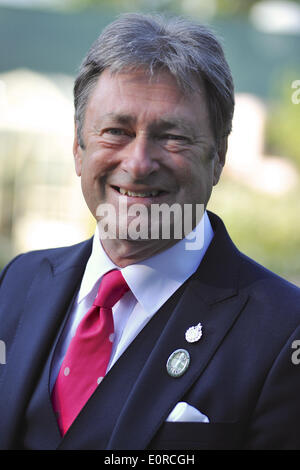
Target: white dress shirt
<point x="152" y="282"/>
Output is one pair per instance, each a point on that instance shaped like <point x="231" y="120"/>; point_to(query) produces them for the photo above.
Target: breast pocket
<point x="193" y="436"/>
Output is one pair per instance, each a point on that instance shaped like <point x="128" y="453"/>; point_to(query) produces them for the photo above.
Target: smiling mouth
<point x="142" y="194"/>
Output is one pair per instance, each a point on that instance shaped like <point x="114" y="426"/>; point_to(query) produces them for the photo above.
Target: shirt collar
<point x="154" y="280"/>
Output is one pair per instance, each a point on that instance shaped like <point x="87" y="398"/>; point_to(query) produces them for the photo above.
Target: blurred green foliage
<point x="283" y="122"/>
<point x="264" y="227"/>
<point x="237" y="7"/>
<point x="223" y="7"/>
<point x="232" y="7"/>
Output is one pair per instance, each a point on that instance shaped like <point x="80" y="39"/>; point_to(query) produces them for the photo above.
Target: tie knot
<point x="112" y="287"/>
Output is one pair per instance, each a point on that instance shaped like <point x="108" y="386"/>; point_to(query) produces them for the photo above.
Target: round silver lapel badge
<point x="178" y="363"/>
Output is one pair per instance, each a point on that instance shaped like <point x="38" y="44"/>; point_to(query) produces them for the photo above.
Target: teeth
<point x="124" y="192"/>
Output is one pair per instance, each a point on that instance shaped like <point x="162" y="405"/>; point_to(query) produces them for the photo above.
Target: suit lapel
<point x="211" y="297"/>
<point x="48" y="298"/>
<point x="156" y="392"/>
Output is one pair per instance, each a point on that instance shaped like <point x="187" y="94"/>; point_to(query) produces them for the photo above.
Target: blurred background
<point x="42" y="45"/>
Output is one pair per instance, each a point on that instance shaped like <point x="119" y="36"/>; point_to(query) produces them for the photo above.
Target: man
<point x="195" y="351"/>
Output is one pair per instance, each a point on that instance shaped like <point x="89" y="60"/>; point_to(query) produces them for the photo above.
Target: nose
<point x="140" y="158"/>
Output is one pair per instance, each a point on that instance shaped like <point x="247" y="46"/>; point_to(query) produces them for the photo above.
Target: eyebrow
<point x="167" y="123"/>
<point x="118" y="118"/>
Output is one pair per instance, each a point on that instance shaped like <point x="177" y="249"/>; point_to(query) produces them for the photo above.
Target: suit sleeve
<point x="275" y="423"/>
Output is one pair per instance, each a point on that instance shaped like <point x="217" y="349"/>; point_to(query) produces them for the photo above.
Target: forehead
<point x="138" y="95"/>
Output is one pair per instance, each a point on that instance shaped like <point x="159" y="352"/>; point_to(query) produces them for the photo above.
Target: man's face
<point x="147" y="142"/>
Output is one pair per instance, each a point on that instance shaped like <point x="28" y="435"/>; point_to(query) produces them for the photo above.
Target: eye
<point x="172" y="136"/>
<point x="115" y="131"/>
<point x="175" y="138"/>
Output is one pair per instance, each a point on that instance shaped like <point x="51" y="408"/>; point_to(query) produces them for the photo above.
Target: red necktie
<point x="88" y="354"/>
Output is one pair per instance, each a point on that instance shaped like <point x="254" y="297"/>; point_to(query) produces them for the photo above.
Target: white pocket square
<point x="188" y="413"/>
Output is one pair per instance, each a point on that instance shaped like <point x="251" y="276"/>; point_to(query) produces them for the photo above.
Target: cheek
<point x="182" y="168"/>
<point x="192" y="172"/>
<point x="196" y="181"/>
<point x="95" y="164"/>
<point x="93" y="173"/>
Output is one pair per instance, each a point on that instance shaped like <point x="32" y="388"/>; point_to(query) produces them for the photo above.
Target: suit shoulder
<point x="268" y="288"/>
<point x="26" y="262"/>
<point x="253" y="271"/>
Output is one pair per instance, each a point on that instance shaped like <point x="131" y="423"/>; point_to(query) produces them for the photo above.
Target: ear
<point x="77" y="152"/>
<point x="220" y="158"/>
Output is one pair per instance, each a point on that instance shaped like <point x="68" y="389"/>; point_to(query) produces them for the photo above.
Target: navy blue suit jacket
<point x="241" y="373"/>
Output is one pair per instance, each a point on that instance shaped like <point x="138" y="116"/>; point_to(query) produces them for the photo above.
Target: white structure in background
<point x="246" y="160"/>
<point x="37" y="176"/>
<point x="277" y="17"/>
<point x="245" y="157"/>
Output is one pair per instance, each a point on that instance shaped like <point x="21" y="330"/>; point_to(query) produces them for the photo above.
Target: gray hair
<point x="184" y="48"/>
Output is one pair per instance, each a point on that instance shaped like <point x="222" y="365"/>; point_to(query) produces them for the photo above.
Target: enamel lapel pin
<point x="194" y="333"/>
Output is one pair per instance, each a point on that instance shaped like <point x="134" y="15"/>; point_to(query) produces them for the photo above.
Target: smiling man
<point x="145" y="142"/>
<point x="136" y="342"/>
